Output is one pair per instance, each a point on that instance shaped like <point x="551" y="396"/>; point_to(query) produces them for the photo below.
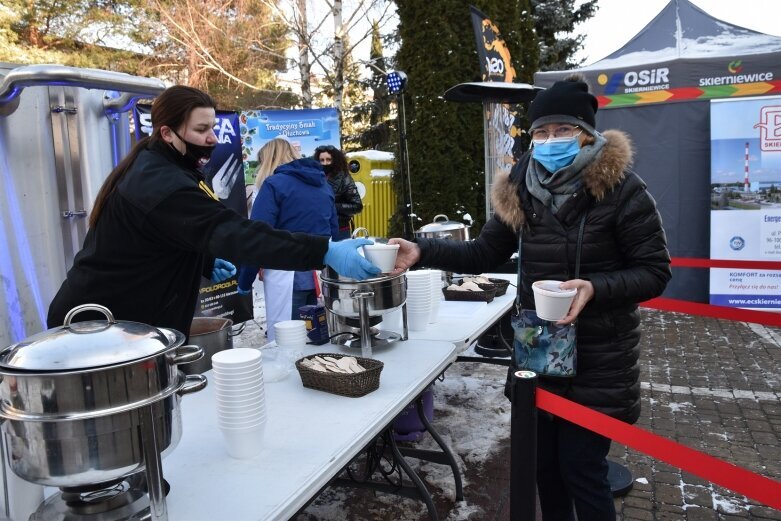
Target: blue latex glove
<point x="345" y="259"/>
<point x="243" y="291"/>
<point x="223" y="270"/>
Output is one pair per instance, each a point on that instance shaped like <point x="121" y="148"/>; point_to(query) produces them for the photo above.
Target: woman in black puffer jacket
<point x="574" y="171"/>
<point x="348" y="200"/>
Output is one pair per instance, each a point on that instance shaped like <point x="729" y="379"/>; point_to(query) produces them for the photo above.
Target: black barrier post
<point x="523" y="447"/>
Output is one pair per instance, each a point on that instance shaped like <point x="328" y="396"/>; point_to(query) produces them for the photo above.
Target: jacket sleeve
<point x="348" y="201"/>
<point x="266" y="210"/>
<point x="265" y="207"/>
<point x="643" y="244"/>
<point x="190" y="220"/>
<point x="495" y="244"/>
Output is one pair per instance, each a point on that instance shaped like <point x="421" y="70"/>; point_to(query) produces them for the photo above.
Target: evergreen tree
<point x="438" y="51"/>
<point x="379" y="133"/>
<point x="554" y="21"/>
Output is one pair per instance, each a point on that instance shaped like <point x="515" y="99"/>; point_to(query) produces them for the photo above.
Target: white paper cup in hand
<point x="551" y="301"/>
<point x="382" y="255"/>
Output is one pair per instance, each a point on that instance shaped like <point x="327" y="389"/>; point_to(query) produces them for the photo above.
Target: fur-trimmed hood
<point x="601" y="176"/>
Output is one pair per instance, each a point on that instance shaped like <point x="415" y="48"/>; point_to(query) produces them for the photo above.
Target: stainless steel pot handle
<point x="88" y="307"/>
<point x="192" y="384"/>
<point x="358" y="294"/>
<point x="186" y="354"/>
<point x="438" y="216"/>
<point x="361" y="229"/>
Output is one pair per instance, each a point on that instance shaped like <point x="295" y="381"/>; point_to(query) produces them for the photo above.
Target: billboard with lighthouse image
<point x="746" y="200"/>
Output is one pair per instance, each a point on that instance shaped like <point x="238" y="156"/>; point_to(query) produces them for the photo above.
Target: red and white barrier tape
<point x="738" y="479"/>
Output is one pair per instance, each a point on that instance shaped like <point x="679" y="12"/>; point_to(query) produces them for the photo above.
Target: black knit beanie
<point x="564" y="102"/>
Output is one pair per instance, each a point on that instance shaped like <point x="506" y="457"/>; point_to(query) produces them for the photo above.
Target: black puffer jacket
<point x="624" y="255"/>
<point x="348" y="200"/>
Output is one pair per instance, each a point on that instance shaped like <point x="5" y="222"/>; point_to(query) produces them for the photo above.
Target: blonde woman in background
<point x="293" y="194"/>
<point x="276" y="152"/>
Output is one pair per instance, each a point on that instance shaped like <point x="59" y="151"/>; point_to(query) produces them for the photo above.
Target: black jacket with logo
<point x="157" y="235"/>
<point x="624" y="255"/>
<point x="347" y="199"/>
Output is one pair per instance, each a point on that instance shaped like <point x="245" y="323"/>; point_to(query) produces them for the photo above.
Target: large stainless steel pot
<point x="73" y="453"/>
<point x="212" y="335"/>
<point x="73" y="398"/>
<point x="87" y="369"/>
<point x="443" y="228"/>
<point x="344" y="297"/>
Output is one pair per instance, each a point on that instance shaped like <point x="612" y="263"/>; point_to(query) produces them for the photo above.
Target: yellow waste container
<point x="372" y="171"/>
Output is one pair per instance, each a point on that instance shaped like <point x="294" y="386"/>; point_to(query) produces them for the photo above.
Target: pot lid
<point x="90" y="344"/>
<point x="442" y="225"/>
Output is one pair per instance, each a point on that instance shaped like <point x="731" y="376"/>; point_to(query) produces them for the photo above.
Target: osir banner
<point x="225" y="173"/>
<point x="745" y="193"/>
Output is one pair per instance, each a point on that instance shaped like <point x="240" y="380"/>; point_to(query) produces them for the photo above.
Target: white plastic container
<point x="551" y="301"/>
<point x="382" y="255"/>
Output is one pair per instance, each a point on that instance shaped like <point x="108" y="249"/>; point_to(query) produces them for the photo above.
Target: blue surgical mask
<point x="556" y="153"/>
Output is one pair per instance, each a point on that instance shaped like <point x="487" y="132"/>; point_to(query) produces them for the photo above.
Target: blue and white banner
<point x="745" y="194"/>
<point x="306" y="129"/>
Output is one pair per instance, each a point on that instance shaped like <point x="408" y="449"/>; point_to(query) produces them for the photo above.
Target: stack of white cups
<point x="290" y="333"/>
<point x="418" y="299"/>
<point x="237" y="377"/>
<point x="436" y="295"/>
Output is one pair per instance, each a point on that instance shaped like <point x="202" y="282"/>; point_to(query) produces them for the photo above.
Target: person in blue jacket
<point x="296" y="198"/>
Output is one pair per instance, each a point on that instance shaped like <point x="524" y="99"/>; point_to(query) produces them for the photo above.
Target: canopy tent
<point x="657" y="88"/>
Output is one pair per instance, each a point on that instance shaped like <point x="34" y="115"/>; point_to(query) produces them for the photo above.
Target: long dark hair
<point x="171" y="109"/>
<point x="338" y="159"/>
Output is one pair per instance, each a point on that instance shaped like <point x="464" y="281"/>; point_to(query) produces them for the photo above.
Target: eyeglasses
<point x="541" y="136"/>
<point x="325" y="148"/>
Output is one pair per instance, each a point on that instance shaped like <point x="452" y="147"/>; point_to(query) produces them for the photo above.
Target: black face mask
<point x="194" y="155"/>
<point x="328" y="169"/>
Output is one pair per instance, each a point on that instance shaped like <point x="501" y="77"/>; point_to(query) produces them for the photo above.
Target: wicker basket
<point x="500" y="285"/>
<point x="487" y="295"/>
<point x="352" y="384"/>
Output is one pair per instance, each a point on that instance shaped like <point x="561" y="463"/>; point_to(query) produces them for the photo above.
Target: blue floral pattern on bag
<point x="544" y="347"/>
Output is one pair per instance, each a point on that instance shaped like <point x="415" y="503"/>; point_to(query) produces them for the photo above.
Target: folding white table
<point x="310" y="437"/>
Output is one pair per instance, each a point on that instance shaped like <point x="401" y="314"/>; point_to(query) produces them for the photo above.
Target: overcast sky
<point x="617" y="21"/>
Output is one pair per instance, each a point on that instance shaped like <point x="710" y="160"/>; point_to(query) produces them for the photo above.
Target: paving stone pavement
<point x="713" y="385"/>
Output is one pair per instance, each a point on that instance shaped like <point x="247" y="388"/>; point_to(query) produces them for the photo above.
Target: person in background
<point x="296" y="198"/>
<point x="570" y="172"/>
<point x="348" y="200"/>
<point x="156" y="228"/>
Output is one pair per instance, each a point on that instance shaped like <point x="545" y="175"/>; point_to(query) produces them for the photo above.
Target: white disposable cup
<point x="236" y="421"/>
<point x="238" y="390"/>
<point x="245" y="442"/>
<point x="219" y="376"/>
<point x="552" y="302"/>
<point x="392" y="321"/>
<point x="230" y="411"/>
<point x="382" y="255"/>
<point x="417" y="321"/>
<point x="237" y="357"/>
<point x="240" y="378"/>
<point x="236" y="401"/>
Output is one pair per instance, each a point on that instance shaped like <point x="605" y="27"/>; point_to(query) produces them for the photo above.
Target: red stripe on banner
<point x="604" y="101"/>
<point x="684" y="93"/>
<point x="707" y="310"/>
<point x="738" y="479"/>
<point x="689" y="262"/>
